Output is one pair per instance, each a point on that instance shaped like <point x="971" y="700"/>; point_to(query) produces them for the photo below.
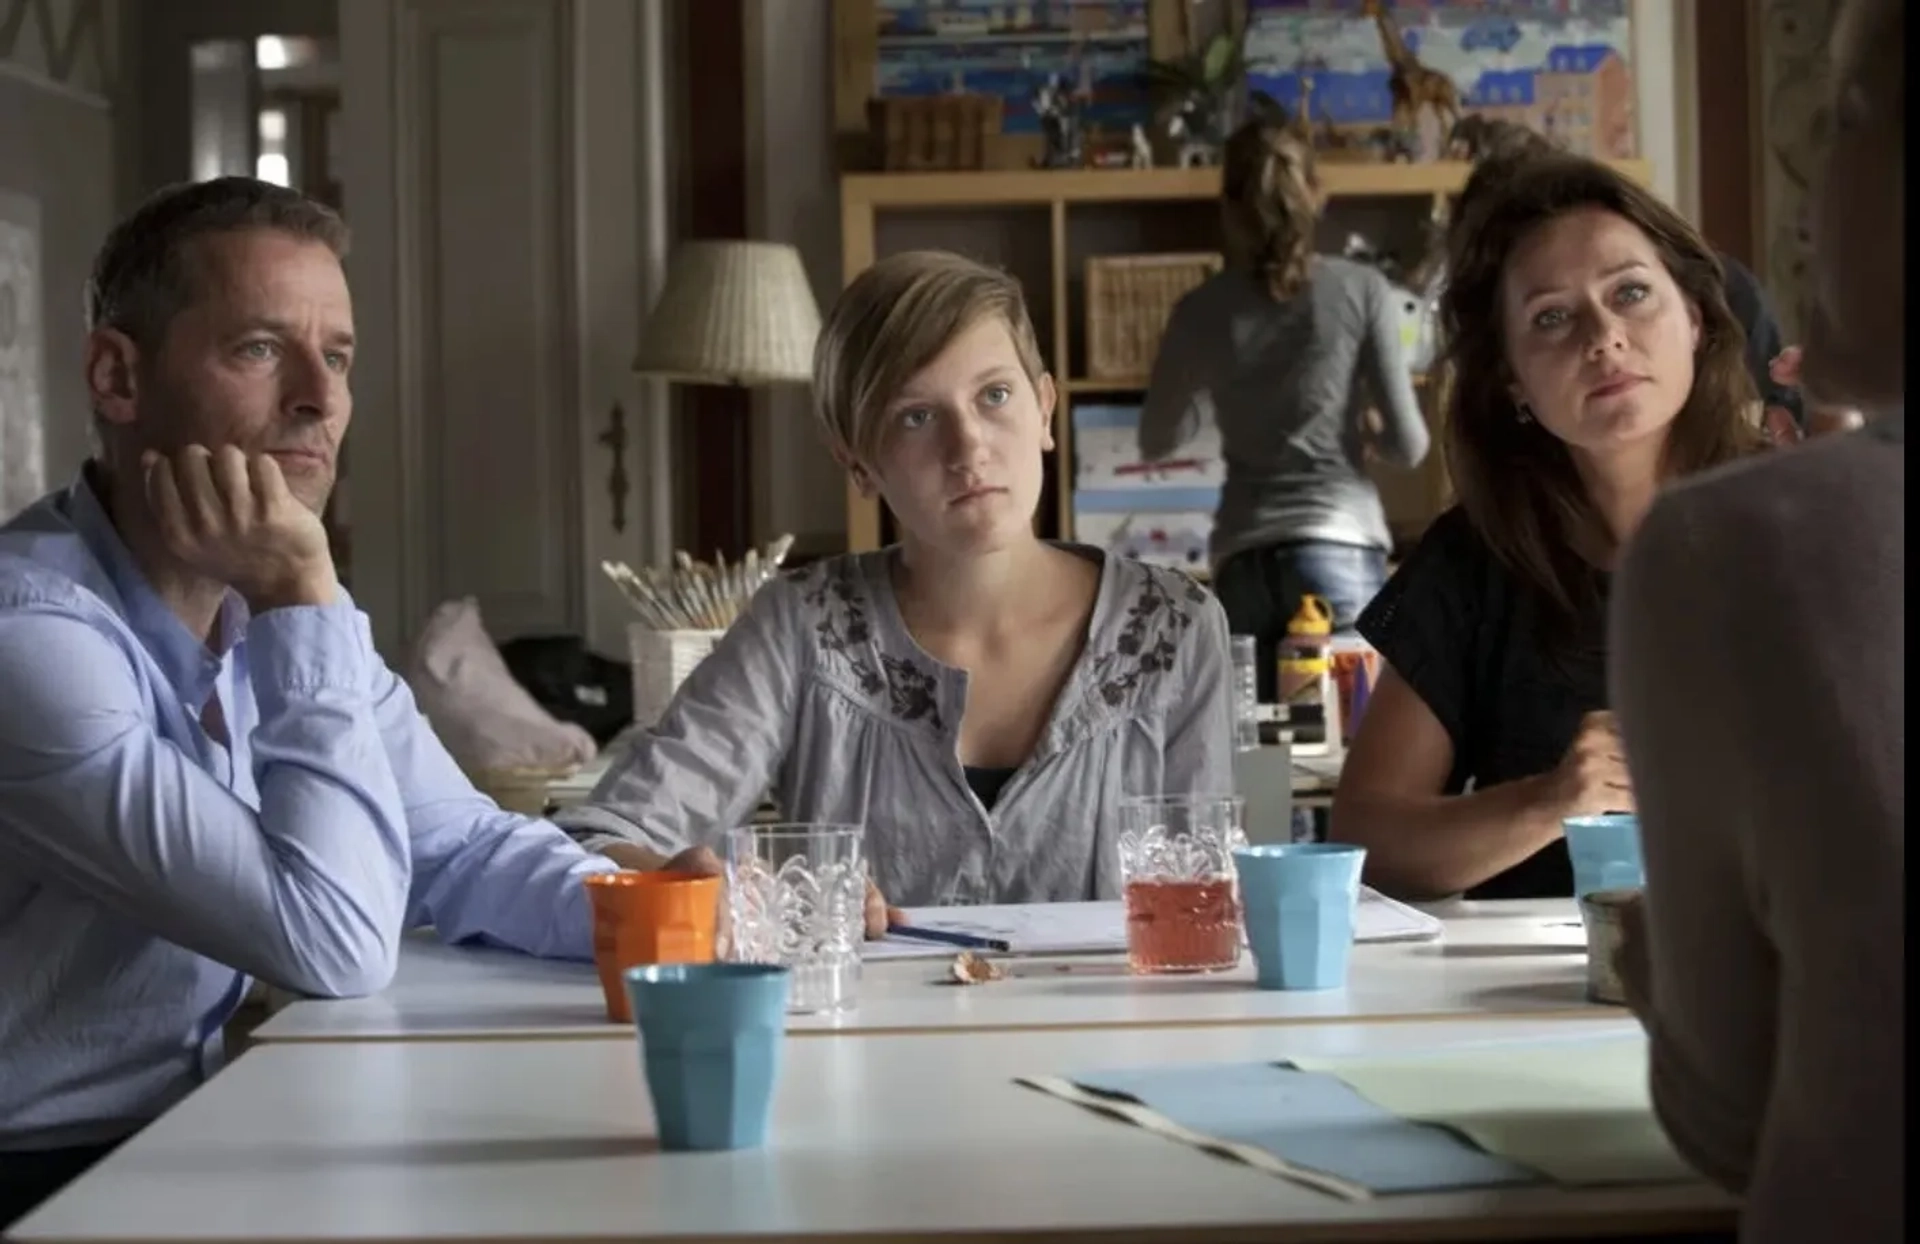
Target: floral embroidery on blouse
<point x="840" y="607"/>
<point x="1149" y="638"/>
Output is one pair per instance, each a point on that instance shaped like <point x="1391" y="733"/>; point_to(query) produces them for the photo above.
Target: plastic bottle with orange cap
<point x="1306" y="672"/>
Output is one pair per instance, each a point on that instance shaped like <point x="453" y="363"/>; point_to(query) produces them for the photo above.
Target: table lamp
<point x="732" y="313"/>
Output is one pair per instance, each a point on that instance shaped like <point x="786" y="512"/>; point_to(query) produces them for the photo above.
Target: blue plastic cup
<point x="710" y="1038"/>
<point x="1605" y="851"/>
<point x="1299" y="901"/>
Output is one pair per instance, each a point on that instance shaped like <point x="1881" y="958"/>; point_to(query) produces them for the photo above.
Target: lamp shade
<point x="732" y="313"/>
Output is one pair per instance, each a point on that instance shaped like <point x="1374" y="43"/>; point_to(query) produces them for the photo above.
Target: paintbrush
<point x="688" y="594"/>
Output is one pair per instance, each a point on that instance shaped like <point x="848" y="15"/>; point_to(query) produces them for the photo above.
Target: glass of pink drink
<point x="1176" y="866"/>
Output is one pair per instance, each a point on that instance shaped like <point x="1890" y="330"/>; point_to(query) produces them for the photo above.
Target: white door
<point x="492" y="170"/>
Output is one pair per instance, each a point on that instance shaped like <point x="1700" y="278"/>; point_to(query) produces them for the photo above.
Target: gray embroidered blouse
<point x="820" y="693"/>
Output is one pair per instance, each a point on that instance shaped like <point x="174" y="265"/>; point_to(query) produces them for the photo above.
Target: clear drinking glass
<point x="796" y="896"/>
<point x="1246" y="692"/>
<point x="1182" y="898"/>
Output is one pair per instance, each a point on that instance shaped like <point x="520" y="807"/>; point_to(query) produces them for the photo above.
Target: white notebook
<point x="1101" y="928"/>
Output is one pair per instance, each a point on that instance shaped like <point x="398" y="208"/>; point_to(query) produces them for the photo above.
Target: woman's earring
<point x="1524" y="412"/>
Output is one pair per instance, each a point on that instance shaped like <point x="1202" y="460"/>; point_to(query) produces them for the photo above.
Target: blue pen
<point x="965" y="940"/>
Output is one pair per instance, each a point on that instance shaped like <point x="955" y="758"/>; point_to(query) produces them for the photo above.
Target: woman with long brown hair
<point x="1591" y="358"/>
<point x="1502" y="146"/>
<point x="1287" y="351"/>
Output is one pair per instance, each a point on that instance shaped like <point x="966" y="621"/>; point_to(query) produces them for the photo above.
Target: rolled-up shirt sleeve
<point x="309" y="892"/>
<point x="480" y="874"/>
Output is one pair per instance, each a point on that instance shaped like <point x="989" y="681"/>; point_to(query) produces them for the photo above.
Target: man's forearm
<point x="308" y="891"/>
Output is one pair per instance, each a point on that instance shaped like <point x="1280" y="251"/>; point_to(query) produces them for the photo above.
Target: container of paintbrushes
<point x="681" y="611"/>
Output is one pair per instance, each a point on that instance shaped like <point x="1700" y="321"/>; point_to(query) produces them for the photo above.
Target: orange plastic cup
<point x="649" y="917"/>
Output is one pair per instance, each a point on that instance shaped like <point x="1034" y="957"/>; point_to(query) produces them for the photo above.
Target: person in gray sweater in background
<point x="1288" y="352"/>
<point x="1759" y="631"/>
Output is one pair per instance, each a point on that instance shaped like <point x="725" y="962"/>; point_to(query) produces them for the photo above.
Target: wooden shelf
<point x="1136" y="384"/>
<point x="1037" y="187"/>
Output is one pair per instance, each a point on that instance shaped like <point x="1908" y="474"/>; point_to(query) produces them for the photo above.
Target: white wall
<point x="793" y="196"/>
<point x="1664" y="86"/>
<point x="57" y="152"/>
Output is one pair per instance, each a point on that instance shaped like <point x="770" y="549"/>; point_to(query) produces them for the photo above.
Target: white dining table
<point x="883" y="1138"/>
<point x="1509" y="958"/>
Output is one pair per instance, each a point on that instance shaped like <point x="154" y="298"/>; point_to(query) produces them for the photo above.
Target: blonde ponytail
<point x="1270" y="202"/>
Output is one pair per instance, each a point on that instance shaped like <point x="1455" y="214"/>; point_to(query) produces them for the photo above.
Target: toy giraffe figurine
<point x="1303" y="119"/>
<point x="1414" y="86"/>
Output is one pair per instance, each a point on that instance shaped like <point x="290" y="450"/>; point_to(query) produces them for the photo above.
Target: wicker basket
<point x="661" y="662"/>
<point x="934" y="133"/>
<point x="1129" y="298"/>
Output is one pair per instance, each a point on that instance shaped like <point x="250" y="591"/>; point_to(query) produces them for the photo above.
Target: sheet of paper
<point x="1382" y="919"/>
<point x="1101" y="928"/>
<point x="1578" y="1111"/>
<point x="1296" y="1124"/>
<point x="1031" y="928"/>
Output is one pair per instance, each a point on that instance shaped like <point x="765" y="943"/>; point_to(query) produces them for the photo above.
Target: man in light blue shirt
<point x="207" y="774"/>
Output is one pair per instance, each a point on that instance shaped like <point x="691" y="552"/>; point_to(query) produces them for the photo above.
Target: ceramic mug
<point x="1603" y="911"/>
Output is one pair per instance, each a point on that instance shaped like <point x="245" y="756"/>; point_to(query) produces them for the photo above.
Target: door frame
<point x="621" y="220"/>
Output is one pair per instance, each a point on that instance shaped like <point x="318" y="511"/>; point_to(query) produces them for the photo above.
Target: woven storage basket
<point x="933" y="133"/>
<point x="661" y="662"/>
<point x="1129" y="298"/>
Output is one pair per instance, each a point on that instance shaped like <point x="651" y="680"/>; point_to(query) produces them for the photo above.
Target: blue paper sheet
<point x="1310" y="1120"/>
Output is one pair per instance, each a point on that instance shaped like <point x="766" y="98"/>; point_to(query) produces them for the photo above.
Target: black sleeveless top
<point x="986" y="784"/>
<point x="1466" y="634"/>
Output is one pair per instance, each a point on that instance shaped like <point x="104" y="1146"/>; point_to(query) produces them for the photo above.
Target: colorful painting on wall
<point x="22" y="413"/>
<point x="990" y="47"/>
<point x="1562" y="67"/>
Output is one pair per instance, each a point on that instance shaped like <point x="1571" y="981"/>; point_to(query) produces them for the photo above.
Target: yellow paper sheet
<point x="1576" y="1110"/>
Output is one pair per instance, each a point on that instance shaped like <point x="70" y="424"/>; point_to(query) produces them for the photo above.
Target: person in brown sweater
<point x="1759" y="675"/>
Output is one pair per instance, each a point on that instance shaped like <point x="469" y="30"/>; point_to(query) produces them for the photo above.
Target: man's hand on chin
<point x="231" y="518"/>
<point x="695" y="861"/>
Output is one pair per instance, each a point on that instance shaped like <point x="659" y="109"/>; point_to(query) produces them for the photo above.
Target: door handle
<point x="614" y="437"/>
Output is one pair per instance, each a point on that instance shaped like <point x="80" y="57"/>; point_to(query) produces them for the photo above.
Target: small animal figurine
<point x="1468" y="138"/>
<point x="1415" y="88"/>
<point x="1194" y="151"/>
<point x="1392" y="146"/>
<point x="1142" y="149"/>
<point x="1474" y="137"/>
<point x="1059" y="113"/>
